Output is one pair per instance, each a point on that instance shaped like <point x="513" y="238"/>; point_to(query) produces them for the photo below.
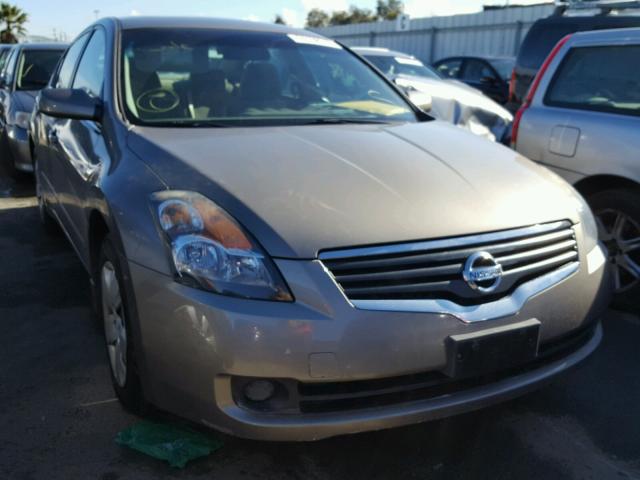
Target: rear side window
<point x="90" y="74"/>
<point x="476" y="71"/>
<point x="65" y="74"/>
<point x="604" y="79"/>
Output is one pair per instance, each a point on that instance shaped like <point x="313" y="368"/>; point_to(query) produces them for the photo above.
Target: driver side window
<point x="10" y="67"/>
<point x="90" y="73"/>
<point x="450" y="68"/>
<point x="476" y="71"/>
<point x="65" y="74"/>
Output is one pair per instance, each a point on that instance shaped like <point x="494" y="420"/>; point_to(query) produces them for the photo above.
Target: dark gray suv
<point x="282" y="246"/>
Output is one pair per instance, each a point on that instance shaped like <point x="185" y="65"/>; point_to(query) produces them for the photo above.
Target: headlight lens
<point x="210" y="250"/>
<point x="21" y="119"/>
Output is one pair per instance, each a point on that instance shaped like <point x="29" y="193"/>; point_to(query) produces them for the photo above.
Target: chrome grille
<point x="433" y="269"/>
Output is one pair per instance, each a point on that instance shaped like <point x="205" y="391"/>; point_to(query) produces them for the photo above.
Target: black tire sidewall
<point x="130" y="395"/>
<point x="626" y="201"/>
<point x="7" y="156"/>
<point x="46" y="218"/>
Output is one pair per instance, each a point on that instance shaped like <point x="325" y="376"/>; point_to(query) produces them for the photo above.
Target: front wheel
<point x="617" y="213"/>
<point x="7" y="157"/>
<point x="116" y="319"/>
<point x="46" y="219"/>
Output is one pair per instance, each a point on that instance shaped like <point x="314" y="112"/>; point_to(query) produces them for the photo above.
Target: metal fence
<point x="492" y="32"/>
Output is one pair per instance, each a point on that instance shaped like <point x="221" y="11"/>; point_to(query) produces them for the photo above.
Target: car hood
<point x="303" y="189"/>
<point x="462" y="105"/>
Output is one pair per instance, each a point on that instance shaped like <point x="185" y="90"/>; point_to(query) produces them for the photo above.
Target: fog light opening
<point x="259" y="390"/>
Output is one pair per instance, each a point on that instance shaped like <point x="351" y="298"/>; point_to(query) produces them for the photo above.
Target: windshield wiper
<point x="189" y="124"/>
<point x="338" y="121"/>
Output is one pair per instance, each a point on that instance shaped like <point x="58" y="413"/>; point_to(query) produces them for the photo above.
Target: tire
<point x="618" y="216"/>
<point x="115" y="316"/>
<point x="47" y="221"/>
<point x="7" y="158"/>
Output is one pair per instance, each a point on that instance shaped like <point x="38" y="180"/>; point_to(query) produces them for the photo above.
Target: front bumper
<point x="18" y="141"/>
<point x="193" y="343"/>
<point x="317" y="426"/>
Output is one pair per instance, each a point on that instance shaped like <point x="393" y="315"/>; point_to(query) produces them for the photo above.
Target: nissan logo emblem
<point x="482" y="272"/>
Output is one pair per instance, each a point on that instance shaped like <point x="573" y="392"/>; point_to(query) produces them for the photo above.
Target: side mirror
<point x="3" y="82"/>
<point x="422" y="100"/>
<point x="69" y="103"/>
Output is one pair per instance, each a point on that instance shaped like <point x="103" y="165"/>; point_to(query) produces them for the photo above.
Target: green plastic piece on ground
<point x="175" y="444"/>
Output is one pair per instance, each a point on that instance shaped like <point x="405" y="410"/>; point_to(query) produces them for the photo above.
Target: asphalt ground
<point x="59" y="418"/>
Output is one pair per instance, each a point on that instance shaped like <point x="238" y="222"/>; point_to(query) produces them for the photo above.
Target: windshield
<point x="208" y="77"/>
<point x="393" y="66"/>
<point x="504" y="67"/>
<point x="35" y="68"/>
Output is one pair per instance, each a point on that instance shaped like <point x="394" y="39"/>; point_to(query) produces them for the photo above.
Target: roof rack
<point x="605" y="6"/>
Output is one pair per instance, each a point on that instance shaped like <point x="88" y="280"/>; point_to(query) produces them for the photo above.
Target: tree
<point x="385" y="10"/>
<point x="389" y="9"/>
<point x="317" y="18"/>
<point x="361" y="15"/>
<point x="14" y="19"/>
<point x="279" y="20"/>
<point x="354" y="15"/>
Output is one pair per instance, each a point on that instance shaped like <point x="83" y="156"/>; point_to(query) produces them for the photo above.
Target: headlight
<point x="210" y="250"/>
<point x="21" y="119"/>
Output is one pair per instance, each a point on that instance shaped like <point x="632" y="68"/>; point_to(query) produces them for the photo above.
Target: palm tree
<point x="14" y="19"/>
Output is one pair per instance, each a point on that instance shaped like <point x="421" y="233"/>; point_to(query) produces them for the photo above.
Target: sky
<point x="71" y="16"/>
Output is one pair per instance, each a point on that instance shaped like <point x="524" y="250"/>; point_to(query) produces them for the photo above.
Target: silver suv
<point x="581" y="118"/>
<point x="283" y="247"/>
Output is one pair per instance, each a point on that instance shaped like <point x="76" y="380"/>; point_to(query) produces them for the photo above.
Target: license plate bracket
<point x="492" y="350"/>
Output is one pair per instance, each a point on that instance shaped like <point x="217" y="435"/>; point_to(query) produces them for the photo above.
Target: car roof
<point x="480" y="57"/>
<point x="587" y="20"/>
<point x="137" y="22"/>
<point x="384" y="52"/>
<point x="633" y="34"/>
<point x="42" y="46"/>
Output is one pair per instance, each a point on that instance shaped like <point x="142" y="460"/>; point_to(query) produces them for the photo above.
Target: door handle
<point x="52" y="136"/>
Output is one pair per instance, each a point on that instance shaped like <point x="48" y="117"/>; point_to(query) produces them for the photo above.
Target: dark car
<point x="490" y="75"/>
<point x="545" y="34"/>
<point x="26" y="71"/>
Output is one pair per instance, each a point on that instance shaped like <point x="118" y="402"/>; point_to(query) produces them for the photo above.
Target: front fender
<point x="122" y="198"/>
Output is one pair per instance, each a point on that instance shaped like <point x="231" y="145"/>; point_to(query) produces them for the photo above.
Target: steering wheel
<point x="157" y="100"/>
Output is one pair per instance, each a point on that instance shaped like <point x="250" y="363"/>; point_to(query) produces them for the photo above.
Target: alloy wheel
<point x="115" y="330"/>
<point x="620" y="233"/>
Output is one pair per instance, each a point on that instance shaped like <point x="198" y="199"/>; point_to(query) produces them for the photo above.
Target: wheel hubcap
<point x="621" y="235"/>
<point x="114" y="323"/>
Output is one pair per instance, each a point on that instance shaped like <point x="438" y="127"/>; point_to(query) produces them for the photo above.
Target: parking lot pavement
<point x="58" y="417"/>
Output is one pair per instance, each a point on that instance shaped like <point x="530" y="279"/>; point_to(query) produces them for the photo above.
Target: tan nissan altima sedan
<point x="282" y="247"/>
